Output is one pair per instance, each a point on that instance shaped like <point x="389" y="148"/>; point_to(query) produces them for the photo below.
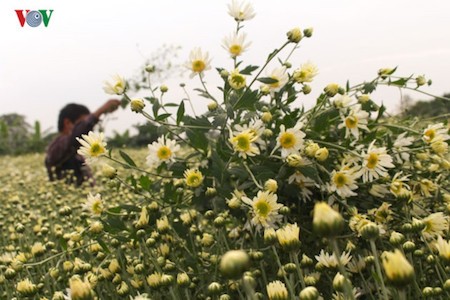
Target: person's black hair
<point x="72" y="112"/>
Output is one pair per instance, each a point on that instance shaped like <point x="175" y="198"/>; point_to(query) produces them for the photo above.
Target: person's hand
<point x="108" y="107"/>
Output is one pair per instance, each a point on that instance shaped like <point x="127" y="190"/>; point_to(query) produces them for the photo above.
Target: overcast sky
<point x="42" y="69"/>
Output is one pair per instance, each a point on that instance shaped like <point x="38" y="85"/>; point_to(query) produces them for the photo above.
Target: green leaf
<point x="180" y="112"/>
<point x="369" y="87"/>
<point x="127" y="158"/>
<point x="115" y="210"/>
<point x="63" y="243"/>
<point x="162" y="117"/>
<point x="310" y="172"/>
<point x="171" y="104"/>
<point x="271" y="55"/>
<point x="248" y="70"/>
<point x="197" y="138"/>
<point x="103" y="244"/>
<point x="267" y="80"/>
<point x="400" y="82"/>
<point x="241" y="173"/>
<point x="380" y="112"/>
<point x="145" y="182"/>
<point x="115" y="224"/>
<point x="129" y="207"/>
<point x="155" y="108"/>
<point x="248" y="100"/>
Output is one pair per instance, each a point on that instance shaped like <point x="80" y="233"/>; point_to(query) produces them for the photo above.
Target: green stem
<point x="348" y="289"/>
<point x="288" y="282"/>
<point x="378" y="268"/>
<point x="252" y="176"/>
<point x="402" y="294"/>
<point x="299" y="270"/>
<point x="260" y="71"/>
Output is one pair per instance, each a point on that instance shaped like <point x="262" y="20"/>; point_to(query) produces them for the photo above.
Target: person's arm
<point x="88" y="124"/>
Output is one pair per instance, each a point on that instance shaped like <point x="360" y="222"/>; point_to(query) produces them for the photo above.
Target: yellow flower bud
<point x="326" y="221"/>
<point x="322" y="154"/>
<point x="234" y="263"/>
<point x="397" y="268"/>
<point x="163" y="88"/>
<point x="266" y="117"/>
<point x="137" y="105"/>
<point x="294" y="35"/>
<point x="271" y="185"/>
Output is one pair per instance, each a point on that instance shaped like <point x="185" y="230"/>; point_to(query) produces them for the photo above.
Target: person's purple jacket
<point x="62" y="154"/>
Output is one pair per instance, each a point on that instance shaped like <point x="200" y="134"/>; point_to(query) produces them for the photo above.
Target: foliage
<point x="257" y="198"/>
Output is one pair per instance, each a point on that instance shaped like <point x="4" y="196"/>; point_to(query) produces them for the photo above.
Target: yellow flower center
<point x="351" y="122"/>
<point x="262" y="208"/>
<point x="287" y="140"/>
<point x="194" y="179"/>
<point x="97" y="207"/>
<point x="97" y="149"/>
<point x="235" y="49"/>
<point x="238" y="80"/>
<point x="198" y="66"/>
<point x="243" y="142"/>
<point x="430" y="134"/>
<point x="372" y="160"/>
<point x="339" y="179"/>
<point x="164" y="153"/>
<point x="118" y="87"/>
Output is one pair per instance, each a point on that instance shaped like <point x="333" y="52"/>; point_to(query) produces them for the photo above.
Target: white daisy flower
<point x="435" y="132"/>
<point x="241" y="10"/>
<point x="198" y="62"/>
<point x="343" y="182"/>
<point x="94" y="204"/>
<point x="281" y="77"/>
<point x="375" y="162"/>
<point x="115" y="87"/>
<point x="304" y="183"/>
<point x="379" y="190"/>
<point x="305" y="73"/>
<point x="243" y="143"/>
<point x="443" y="248"/>
<point x="235" y="44"/>
<point x="355" y="120"/>
<point x="400" y="146"/>
<point x="254" y="126"/>
<point x="162" y="150"/>
<point x="435" y="224"/>
<point x="290" y="140"/>
<point x="342" y="101"/>
<point x="92" y="146"/>
<point x="264" y="209"/>
<point x="330" y="261"/>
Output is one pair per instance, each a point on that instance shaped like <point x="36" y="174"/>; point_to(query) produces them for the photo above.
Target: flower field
<point x="257" y="198"/>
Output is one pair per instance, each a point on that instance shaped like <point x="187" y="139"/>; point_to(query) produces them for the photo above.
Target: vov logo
<point x="34" y="18"/>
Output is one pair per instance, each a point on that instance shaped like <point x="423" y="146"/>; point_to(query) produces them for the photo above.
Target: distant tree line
<point x="426" y="109"/>
<point x="19" y="137"/>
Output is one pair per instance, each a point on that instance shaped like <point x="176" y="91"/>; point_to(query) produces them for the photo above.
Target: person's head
<point x="70" y="115"/>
